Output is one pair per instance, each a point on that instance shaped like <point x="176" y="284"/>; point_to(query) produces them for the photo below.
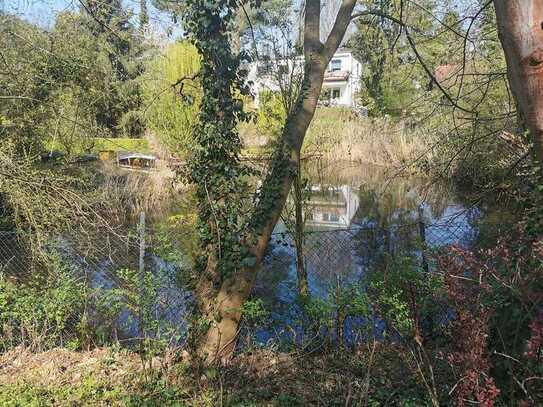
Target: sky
<point x="44" y="12"/>
<point x="41" y="12"/>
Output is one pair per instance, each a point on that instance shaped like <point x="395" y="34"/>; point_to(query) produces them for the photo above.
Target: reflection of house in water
<point x="332" y="207"/>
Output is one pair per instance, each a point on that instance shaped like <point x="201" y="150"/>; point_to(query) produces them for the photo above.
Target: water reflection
<point x="331" y="207"/>
<point x="354" y="216"/>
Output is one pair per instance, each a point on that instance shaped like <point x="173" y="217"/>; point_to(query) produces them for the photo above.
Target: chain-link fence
<point x="121" y="286"/>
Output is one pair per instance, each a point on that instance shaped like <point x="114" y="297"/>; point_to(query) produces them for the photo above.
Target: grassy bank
<point x="108" y="377"/>
<point x="96" y="144"/>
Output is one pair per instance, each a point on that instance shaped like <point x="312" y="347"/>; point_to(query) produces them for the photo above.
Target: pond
<point x="353" y="216"/>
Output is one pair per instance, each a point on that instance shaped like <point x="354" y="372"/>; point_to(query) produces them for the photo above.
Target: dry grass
<point x="338" y="134"/>
<point x="61" y="367"/>
<point x="257" y="378"/>
<point x="130" y="192"/>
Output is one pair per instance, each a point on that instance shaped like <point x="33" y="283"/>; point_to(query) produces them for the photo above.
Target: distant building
<point x="341" y="81"/>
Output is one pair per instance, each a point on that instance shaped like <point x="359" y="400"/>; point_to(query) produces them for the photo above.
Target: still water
<point x="353" y="215"/>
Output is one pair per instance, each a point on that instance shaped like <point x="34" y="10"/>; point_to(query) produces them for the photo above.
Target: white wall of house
<point x="341" y="80"/>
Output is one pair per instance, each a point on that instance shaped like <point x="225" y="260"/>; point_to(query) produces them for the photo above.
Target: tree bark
<point x="520" y="28"/>
<point x="299" y="238"/>
<point x="224" y="309"/>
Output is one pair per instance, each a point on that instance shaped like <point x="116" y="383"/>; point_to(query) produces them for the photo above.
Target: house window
<point x="336" y="93"/>
<point x="335" y="65"/>
<point x="283" y="69"/>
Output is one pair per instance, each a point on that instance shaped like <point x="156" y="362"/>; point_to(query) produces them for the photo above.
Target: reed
<point x="130" y="192"/>
<point x="338" y="134"/>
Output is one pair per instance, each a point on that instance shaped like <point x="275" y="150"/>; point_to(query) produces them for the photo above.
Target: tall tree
<point x="110" y="24"/>
<point x="372" y="44"/>
<point x="520" y="27"/>
<point x="233" y="261"/>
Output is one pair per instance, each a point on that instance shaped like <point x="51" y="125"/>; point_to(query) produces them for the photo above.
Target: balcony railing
<point x="336" y="76"/>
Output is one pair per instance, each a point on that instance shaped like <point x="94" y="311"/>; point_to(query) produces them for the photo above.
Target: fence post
<point x="388" y="240"/>
<point x="422" y="234"/>
<point x="141" y="273"/>
<point x="142" y="244"/>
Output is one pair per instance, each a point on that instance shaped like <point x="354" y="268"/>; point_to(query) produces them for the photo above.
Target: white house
<point x="341" y="80"/>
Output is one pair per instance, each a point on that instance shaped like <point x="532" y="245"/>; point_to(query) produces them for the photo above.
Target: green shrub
<point x="403" y="294"/>
<point x="44" y="314"/>
<point x="271" y="115"/>
<point x="132" y="124"/>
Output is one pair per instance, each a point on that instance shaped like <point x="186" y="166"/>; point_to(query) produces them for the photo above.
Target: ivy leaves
<point x="214" y="165"/>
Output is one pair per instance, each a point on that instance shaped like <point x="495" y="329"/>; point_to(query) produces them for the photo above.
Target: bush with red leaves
<point x="465" y="279"/>
<point x="496" y="297"/>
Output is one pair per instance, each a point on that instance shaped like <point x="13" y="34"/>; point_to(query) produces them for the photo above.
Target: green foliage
<point x="390" y="79"/>
<point x="42" y="314"/>
<point x="271" y="115"/>
<point x="331" y="312"/>
<point x="176" y="241"/>
<point x="137" y="293"/>
<point x="69" y="84"/>
<point x="172" y="111"/>
<point x="254" y="312"/>
<point x="108" y="64"/>
<point x="92" y="391"/>
<point x="320" y="312"/>
<point x="132" y="124"/>
<point x="28" y="87"/>
<point x="214" y="164"/>
<point x="95" y="145"/>
<point x="403" y="294"/>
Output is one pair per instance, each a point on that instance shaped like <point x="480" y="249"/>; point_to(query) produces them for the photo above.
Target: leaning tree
<point x="235" y="231"/>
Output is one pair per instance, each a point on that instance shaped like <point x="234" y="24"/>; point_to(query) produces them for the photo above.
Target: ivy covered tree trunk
<point x="236" y="244"/>
<point x="520" y="28"/>
<point x="224" y="308"/>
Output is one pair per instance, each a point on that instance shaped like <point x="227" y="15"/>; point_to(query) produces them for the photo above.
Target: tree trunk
<point x="520" y="28"/>
<point x="299" y="235"/>
<point x="224" y="308"/>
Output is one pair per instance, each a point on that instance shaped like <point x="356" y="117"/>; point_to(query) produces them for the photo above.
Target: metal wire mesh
<point x="121" y="301"/>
